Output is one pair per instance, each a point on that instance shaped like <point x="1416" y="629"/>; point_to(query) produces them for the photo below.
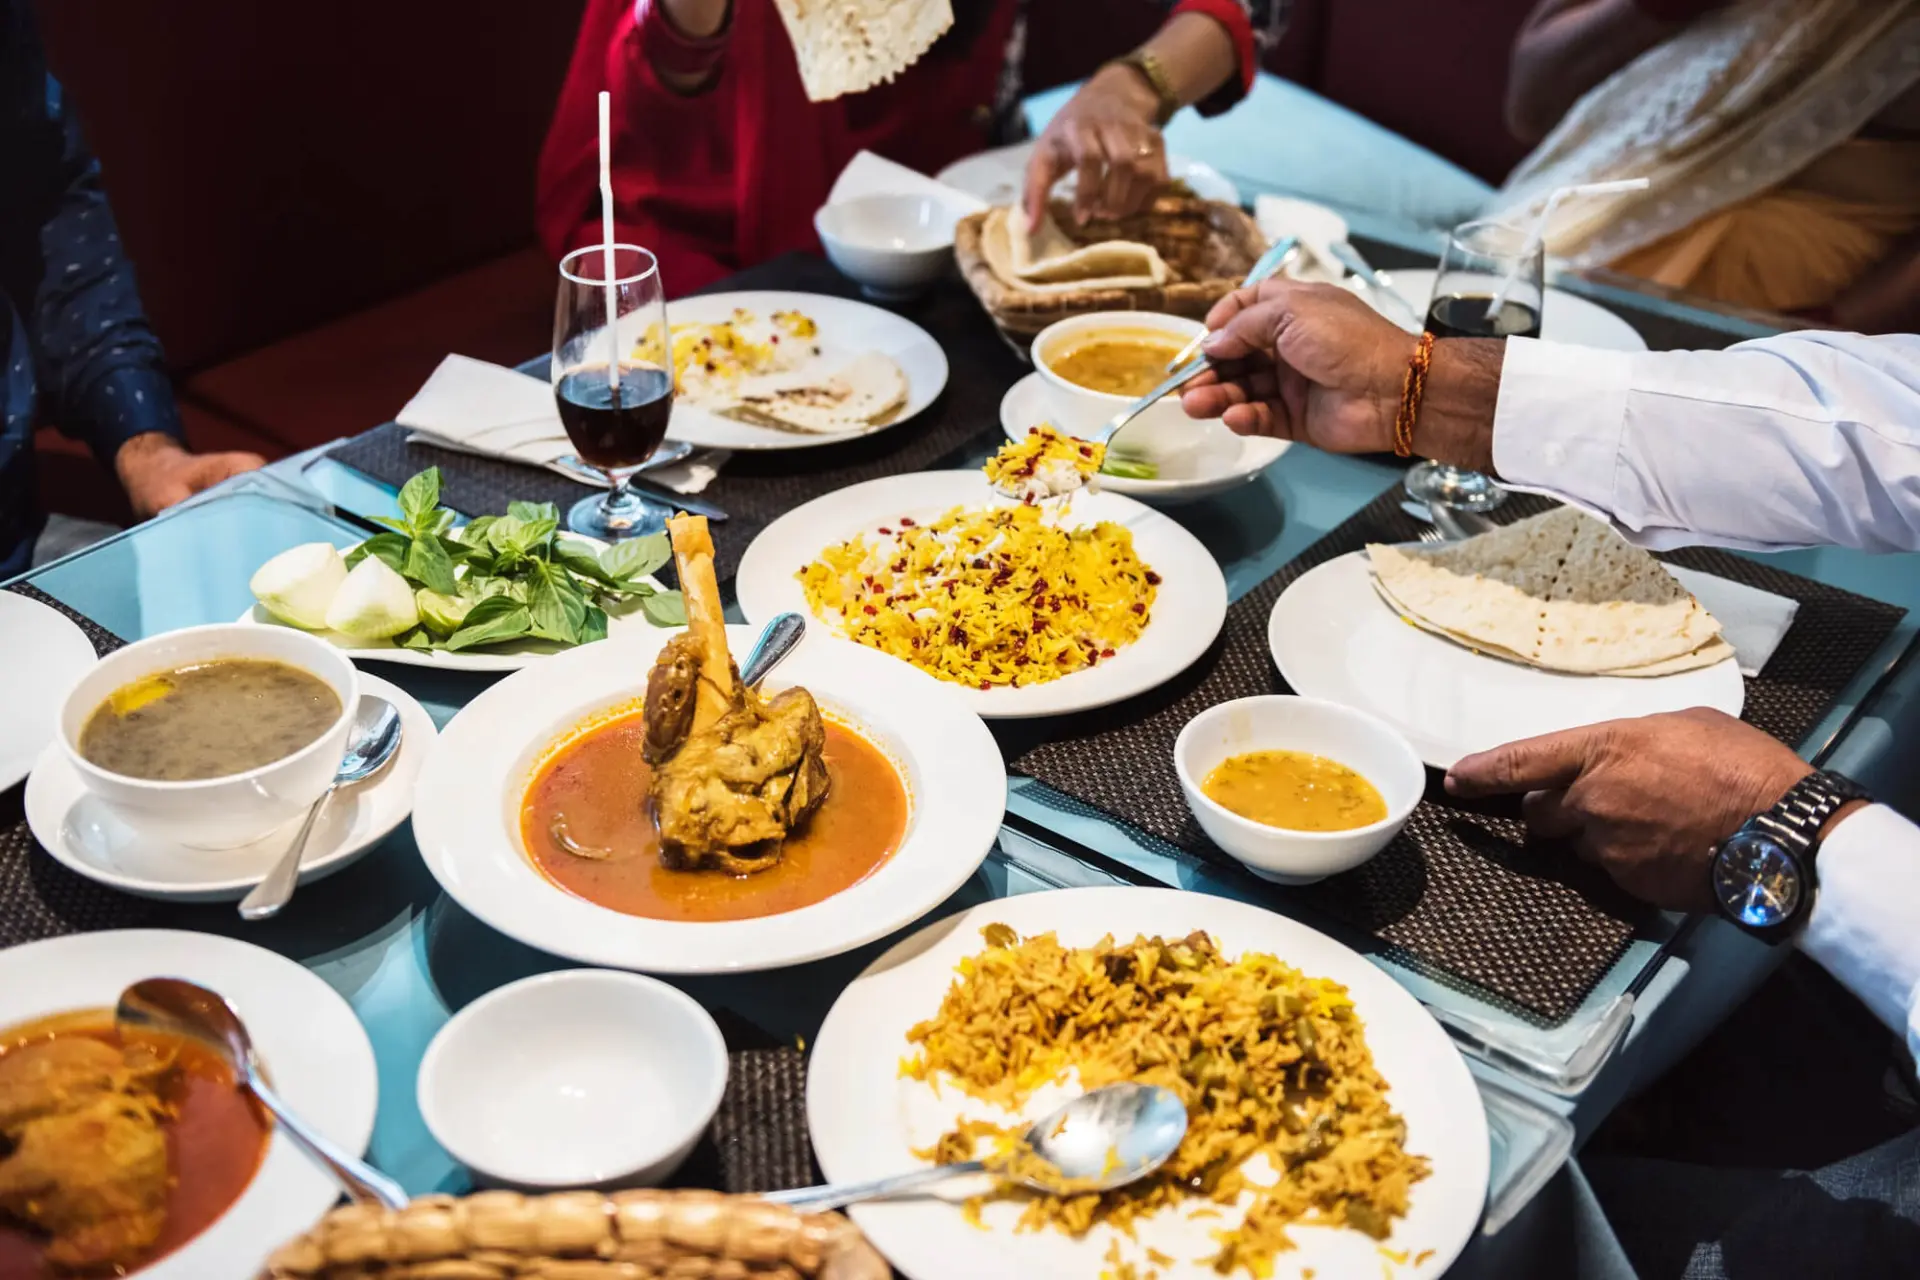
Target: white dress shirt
<point x="1800" y="440"/>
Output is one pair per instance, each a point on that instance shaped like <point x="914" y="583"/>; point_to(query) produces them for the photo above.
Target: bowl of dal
<point x="1295" y="788"/>
<point x="1095" y="365"/>
<point x="212" y="736"/>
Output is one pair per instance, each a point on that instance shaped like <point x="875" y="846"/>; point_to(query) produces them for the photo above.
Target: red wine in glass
<point x="1465" y="316"/>
<point x="609" y="434"/>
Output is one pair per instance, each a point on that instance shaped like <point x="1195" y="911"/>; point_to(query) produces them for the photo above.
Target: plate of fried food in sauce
<point x="646" y="810"/>
<point x="1332" y="1128"/>
<point x="132" y="1152"/>
<point x="1027" y="607"/>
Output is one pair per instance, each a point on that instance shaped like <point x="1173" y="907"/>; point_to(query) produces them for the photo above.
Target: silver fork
<point x="1178" y="378"/>
<point x="1431" y="534"/>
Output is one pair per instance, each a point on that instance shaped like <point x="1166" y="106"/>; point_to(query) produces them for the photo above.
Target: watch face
<point x="1757" y="880"/>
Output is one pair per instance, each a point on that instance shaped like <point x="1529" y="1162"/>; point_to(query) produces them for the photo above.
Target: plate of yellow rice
<point x="1333" y="1129"/>
<point x="1026" y="609"/>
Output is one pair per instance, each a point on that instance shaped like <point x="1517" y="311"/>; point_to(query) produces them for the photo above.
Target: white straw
<point x="606" y="242"/>
<point x="1539" y="234"/>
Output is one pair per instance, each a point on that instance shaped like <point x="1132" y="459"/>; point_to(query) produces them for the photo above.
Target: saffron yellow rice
<point x="1272" y="1064"/>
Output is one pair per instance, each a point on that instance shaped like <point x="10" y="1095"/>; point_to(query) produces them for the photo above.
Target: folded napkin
<point x="472" y="406"/>
<point x="870" y="175"/>
<point x="1316" y="227"/>
<point x="1752" y="621"/>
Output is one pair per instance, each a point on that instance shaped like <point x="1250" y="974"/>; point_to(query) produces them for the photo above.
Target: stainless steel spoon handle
<point x="775" y="643"/>
<point x="264" y="900"/>
<point x="1178" y="378"/>
<point x="364" y="1183"/>
<point x="834" y="1196"/>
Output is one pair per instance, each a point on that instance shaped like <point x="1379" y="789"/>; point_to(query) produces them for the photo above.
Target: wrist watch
<point x="1148" y="67"/>
<point x="1762" y="875"/>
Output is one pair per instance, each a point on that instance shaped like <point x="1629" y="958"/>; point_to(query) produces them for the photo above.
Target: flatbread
<point x="1560" y="591"/>
<point x="1044" y="259"/>
<point x="848" y="46"/>
<point x="867" y="391"/>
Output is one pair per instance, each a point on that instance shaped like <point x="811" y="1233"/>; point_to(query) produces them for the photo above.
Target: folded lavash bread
<point x="1044" y="259"/>
<point x="1560" y="591"/>
<point x="847" y="46"/>
<point x="866" y="391"/>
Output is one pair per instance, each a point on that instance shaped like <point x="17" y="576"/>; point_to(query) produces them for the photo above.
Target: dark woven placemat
<point x="756" y="488"/>
<point x="758" y="1140"/>
<point x="39" y="898"/>
<point x="1462" y="891"/>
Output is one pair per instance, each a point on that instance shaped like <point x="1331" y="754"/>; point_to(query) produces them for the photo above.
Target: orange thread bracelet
<point x="1411" y="390"/>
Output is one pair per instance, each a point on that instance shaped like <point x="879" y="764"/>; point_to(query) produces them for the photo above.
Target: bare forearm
<point x="1196" y="53"/>
<point x="1566" y="48"/>
<point x="1455" y="424"/>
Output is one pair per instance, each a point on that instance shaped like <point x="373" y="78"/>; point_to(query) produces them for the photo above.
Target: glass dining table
<point x="406" y="956"/>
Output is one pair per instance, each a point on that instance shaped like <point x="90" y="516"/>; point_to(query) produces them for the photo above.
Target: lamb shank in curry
<point x="733" y="773"/>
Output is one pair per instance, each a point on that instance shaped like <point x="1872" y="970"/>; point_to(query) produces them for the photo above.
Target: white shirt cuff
<point x="1865" y="925"/>
<point x="1557" y="423"/>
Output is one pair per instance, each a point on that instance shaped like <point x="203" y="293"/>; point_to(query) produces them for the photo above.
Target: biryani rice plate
<point x="994" y="597"/>
<point x="1288" y="1119"/>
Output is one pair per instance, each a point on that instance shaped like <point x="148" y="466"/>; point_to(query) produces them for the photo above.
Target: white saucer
<point x="1203" y="459"/>
<point x="42" y="654"/>
<point x="80" y="831"/>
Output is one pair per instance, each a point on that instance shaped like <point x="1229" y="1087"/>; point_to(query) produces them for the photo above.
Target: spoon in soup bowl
<point x="373" y="741"/>
<point x="183" y="1008"/>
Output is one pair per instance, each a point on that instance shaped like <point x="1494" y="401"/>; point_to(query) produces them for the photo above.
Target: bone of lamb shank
<point x="733" y="773"/>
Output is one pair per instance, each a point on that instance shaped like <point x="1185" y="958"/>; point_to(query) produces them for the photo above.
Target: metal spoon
<point x="1268" y="264"/>
<point x="184" y="1009"/>
<point x="374" y="739"/>
<point x="1101" y="1140"/>
<point x="775" y="643"/>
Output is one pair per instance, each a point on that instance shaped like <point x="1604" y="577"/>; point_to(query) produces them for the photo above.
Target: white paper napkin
<point x="870" y="175"/>
<point x="475" y="407"/>
<point x="1753" y="621"/>
<point x="1316" y="227"/>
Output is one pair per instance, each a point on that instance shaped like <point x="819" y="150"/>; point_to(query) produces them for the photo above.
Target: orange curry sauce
<point x="215" y="1142"/>
<point x="599" y="781"/>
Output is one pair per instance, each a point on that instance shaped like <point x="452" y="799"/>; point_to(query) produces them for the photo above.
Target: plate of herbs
<point x="489" y="595"/>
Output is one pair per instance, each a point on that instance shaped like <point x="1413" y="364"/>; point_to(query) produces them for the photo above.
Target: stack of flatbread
<point x="848" y="46"/>
<point x="868" y="391"/>
<point x="1560" y="591"/>
<point x="1041" y="258"/>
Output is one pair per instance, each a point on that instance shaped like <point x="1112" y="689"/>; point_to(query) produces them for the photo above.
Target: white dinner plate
<point x="1210" y="459"/>
<point x="313" y="1048"/>
<point x="510" y="656"/>
<point x="42" y="655"/>
<point x="84" y="834"/>
<point x="1567" y="317"/>
<point x="956" y="787"/>
<point x="847" y="329"/>
<point x="998" y="176"/>
<point x="1187" y="613"/>
<point x="1333" y="637"/>
<point x="866" y="1119"/>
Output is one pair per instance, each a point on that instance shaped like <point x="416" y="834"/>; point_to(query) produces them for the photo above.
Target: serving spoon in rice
<point x="1105" y="1138"/>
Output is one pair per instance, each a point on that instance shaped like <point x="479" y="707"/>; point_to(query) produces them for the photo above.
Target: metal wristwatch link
<point x="1149" y="68"/>
<point x="1762" y="876"/>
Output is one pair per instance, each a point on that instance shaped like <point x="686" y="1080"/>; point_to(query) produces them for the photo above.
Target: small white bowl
<point x="226" y="812"/>
<point x="580" y="1078"/>
<point x="892" y="246"/>
<point x="1162" y="432"/>
<point x="1367" y="745"/>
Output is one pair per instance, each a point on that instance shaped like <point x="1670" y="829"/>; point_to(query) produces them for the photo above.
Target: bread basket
<point x="579" y="1235"/>
<point x="1208" y="245"/>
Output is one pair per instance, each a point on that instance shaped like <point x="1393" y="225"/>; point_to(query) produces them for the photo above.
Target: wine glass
<point x="615" y="423"/>
<point x="1480" y="258"/>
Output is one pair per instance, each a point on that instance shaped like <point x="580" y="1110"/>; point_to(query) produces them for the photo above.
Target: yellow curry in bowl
<point x="1115" y="362"/>
<point x="1295" y="790"/>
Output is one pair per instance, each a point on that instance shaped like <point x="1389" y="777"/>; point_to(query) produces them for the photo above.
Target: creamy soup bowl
<point x="224" y="812"/>
<point x="1363" y="743"/>
<point x="1160" y="432"/>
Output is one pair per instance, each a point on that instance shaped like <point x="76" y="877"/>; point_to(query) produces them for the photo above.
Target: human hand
<point x="1305" y="362"/>
<point x="1106" y="134"/>
<point x="1647" y="799"/>
<point x="157" y="472"/>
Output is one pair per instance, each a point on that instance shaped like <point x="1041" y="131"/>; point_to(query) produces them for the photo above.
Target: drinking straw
<point x="1538" y="235"/>
<point x="606" y="241"/>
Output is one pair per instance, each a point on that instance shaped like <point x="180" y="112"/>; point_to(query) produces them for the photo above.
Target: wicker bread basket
<point x="579" y="1235"/>
<point x="1209" y="247"/>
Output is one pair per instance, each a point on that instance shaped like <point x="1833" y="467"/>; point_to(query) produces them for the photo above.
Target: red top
<point x="731" y="175"/>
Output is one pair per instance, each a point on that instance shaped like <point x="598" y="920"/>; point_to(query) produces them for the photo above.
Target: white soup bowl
<point x="892" y="246"/>
<point x="1164" y="433"/>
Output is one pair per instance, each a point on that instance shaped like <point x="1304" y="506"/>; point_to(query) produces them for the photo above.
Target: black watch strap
<point x="1797" y="819"/>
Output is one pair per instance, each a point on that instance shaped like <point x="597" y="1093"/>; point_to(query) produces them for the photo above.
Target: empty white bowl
<point x="1363" y="743"/>
<point x="892" y="246"/>
<point x="230" y="811"/>
<point x="581" y="1078"/>
<point x="1161" y="432"/>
